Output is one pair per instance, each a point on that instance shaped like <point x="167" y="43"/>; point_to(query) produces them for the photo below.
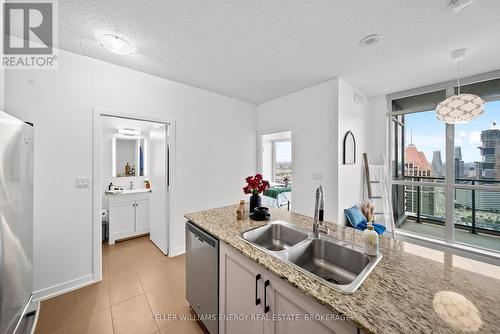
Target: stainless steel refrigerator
<point x="17" y="312"/>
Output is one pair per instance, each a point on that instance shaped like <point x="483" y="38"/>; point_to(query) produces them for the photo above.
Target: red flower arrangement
<point x="255" y="185"/>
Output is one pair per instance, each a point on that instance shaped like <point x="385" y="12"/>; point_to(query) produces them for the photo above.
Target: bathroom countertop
<point x="413" y="289"/>
<point x="126" y="191"/>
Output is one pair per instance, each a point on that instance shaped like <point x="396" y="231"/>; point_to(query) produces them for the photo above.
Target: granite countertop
<point x="413" y="289"/>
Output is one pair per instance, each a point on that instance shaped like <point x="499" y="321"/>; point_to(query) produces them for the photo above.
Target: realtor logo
<point x="28" y="35"/>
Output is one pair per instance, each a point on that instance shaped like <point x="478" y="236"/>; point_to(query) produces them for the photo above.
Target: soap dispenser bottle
<point x="370" y="239"/>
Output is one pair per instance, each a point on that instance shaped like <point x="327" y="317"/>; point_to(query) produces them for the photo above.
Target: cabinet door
<point x="238" y="294"/>
<point x="284" y="307"/>
<point x="121" y="221"/>
<point x="142" y="216"/>
<point x="293" y="312"/>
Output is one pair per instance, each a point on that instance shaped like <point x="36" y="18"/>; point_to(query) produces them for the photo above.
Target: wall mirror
<point x="128" y="157"/>
<point x="349" y="149"/>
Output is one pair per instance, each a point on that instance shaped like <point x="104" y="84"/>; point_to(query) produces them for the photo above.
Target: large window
<point x="455" y="199"/>
<point x="282" y="168"/>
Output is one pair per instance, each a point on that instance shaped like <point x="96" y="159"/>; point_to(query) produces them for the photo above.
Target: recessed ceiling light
<point x="459" y="5"/>
<point x="116" y="44"/>
<point x="370" y="40"/>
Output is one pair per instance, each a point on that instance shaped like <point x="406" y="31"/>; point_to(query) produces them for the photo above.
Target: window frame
<point x="449" y="183"/>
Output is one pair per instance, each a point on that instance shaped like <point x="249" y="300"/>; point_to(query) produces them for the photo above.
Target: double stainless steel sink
<point x="338" y="264"/>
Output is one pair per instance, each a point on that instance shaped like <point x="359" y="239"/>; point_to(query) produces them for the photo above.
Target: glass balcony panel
<point x="477" y="218"/>
<point x="420" y="210"/>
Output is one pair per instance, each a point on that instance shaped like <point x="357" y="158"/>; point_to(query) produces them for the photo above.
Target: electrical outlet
<point x="82" y="182"/>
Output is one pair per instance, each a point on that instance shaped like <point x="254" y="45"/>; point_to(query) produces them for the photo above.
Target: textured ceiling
<point x="257" y="50"/>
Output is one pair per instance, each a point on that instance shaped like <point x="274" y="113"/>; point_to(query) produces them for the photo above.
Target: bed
<point x="278" y="196"/>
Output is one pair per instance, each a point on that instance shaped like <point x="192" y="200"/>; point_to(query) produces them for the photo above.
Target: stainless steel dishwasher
<point x="202" y="276"/>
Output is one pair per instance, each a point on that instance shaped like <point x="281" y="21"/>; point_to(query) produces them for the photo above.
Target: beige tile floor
<point x="138" y="282"/>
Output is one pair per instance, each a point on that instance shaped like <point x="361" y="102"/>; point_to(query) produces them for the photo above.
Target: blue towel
<point x="355" y="216"/>
<point x="380" y="229"/>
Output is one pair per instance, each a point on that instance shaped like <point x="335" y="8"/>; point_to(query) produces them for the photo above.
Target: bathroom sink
<point x="339" y="265"/>
<point x="275" y="236"/>
<point x="136" y="191"/>
<point x="127" y="191"/>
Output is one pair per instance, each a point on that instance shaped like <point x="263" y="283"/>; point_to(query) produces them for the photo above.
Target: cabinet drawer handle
<point x="199" y="239"/>
<point x="266" y="307"/>
<point x="257" y="299"/>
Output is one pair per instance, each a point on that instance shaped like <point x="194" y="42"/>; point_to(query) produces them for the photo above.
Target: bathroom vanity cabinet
<point x="128" y="215"/>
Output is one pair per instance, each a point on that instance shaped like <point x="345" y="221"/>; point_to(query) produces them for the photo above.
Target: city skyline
<point x="429" y="202"/>
<point x="428" y="134"/>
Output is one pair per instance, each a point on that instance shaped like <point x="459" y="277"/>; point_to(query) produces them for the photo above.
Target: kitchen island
<point x="413" y="289"/>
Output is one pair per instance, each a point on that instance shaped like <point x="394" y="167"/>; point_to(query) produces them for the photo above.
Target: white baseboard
<point x="61" y="288"/>
<point x="177" y="251"/>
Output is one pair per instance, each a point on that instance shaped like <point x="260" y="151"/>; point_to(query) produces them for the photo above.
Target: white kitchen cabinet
<point x="282" y="308"/>
<point x="241" y="285"/>
<point x="128" y="216"/>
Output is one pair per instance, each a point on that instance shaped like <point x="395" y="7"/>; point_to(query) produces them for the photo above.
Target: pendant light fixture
<point x="459" y="108"/>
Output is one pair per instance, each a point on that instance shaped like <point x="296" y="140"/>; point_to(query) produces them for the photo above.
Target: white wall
<point x="266" y="158"/>
<point x="352" y="116"/>
<point x="379" y="135"/>
<point x="214" y="137"/>
<point x="2" y="74"/>
<point x="311" y="116"/>
<point x="2" y="84"/>
<point x="318" y="117"/>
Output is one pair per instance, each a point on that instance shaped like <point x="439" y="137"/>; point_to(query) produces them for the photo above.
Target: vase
<point x="255" y="201"/>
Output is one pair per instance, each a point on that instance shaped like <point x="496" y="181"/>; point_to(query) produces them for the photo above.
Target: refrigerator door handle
<point x="27" y="323"/>
<point x="35" y="320"/>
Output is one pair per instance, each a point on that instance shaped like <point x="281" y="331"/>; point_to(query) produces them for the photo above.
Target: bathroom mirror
<point x="129" y="157"/>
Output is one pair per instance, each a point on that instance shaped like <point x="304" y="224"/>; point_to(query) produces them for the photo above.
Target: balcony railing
<point x="418" y="217"/>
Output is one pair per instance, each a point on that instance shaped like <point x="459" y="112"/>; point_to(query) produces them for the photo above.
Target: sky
<point x="283" y="151"/>
<point x="428" y="133"/>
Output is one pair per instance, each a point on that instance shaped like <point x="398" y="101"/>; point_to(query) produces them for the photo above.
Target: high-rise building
<point x="437" y="164"/>
<point x="489" y="166"/>
<point x="470" y="170"/>
<point x="485" y="200"/>
<point x="416" y="165"/>
<point x="459" y="163"/>
<point x="458" y="152"/>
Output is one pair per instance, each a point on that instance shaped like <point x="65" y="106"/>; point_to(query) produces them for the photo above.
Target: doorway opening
<point x="132" y="193"/>
<point x="276" y="166"/>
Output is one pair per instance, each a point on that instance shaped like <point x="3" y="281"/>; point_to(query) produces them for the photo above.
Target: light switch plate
<point x="82" y="182"/>
<point x="317" y="176"/>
